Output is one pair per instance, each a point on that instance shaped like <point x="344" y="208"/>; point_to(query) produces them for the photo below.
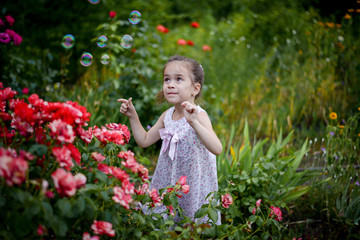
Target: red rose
<point x="112" y="14"/>
<point x="195" y="24"/>
<point x="190" y="43"/>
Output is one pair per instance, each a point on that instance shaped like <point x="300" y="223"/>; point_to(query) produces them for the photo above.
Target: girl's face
<point x="178" y="85"/>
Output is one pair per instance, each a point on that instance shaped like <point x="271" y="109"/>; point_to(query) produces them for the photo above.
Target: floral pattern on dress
<point x="192" y="159"/>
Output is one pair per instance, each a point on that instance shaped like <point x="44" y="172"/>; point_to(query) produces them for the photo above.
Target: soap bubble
<point x="126" y="41"/>
<point x="105" y="59"/>
<point x="94" y="1"/>
<point x="86" y="59"/>
<point x="135" y="17"/>
<point x="102" y="41"/>
<point x="68" y="41"/>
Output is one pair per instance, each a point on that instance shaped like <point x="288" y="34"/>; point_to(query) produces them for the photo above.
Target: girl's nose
<point x="170" y="84"/>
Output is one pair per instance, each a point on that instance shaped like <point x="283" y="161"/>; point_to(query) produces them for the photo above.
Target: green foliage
<point x="252" y="173"/>
<point x="335" y="195"/>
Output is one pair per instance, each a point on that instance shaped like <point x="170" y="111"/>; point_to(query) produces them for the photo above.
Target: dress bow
<point x="169" y="138"/>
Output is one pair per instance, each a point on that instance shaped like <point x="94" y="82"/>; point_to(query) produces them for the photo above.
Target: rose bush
<point x="61" y="178"/>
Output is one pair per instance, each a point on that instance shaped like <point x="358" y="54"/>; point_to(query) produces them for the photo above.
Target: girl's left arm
<point x="201" y="123"/>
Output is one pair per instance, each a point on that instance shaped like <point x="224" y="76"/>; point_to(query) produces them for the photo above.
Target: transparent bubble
<point x="105" y="59"/>
<point x="102" y="41"/>
<point x="68" y="41"/>
<point x="126" y="41"/>
<point x="94" y="1"/>
<point x="86" y="59"/>
<point x="135" y="17"/>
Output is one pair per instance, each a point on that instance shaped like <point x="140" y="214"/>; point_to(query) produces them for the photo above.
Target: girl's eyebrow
<point x="177" y="74"/>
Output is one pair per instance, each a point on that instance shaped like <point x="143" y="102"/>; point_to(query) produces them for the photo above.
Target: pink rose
<point x="103" y="228"/>
<point x="226" y="200"/>
<point x="181" y="42"/>
<point x="41" y="230"/>
<point x="112" y="14"/>
<point x="49" y="194"/>
<point x="185" y="188"/>
<point x="62" y="131"/>
<point x="143" y="189"/>
<point x="86" y="236"/>
<point x="162" y="28"/>
<point x="1" y="22"/>
<point x="155" y="196"/>
<point x="171" y="210"/>
<point x="120" y="174"/>
<point x="10" y="32"/>
<point x="10" y="20"/>
<point x="17" y="39"/>
<point x="121" y="197"/>
<point x="258" y="202"/>
<point x="104" y="168"/>
<point x="5" y="38"/>
<point x="12" y="168"/>
<point x="65" y="183"/>
<point x="80" y="180"/>
<point x="254" y="211"/>
<point x="206" y="48"/>
<point x="63" y="156"/>
<point x="275" y="211"/>
<point x="98" y="156"/>
<point x="182" y="180"/>
<point x="25" y="91"/>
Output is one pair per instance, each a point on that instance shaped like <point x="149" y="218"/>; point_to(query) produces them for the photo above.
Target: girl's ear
<point x="197" y="88"/>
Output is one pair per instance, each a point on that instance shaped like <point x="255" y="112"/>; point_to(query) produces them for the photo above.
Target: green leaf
<point x="64" y="207"/>
<point x="201" y="212"/>
<point x="252" y="218"/>
<point x="296" y="193"/>
<point x="265" y="235"/>
<point x="245" y="160"/>
<point x="38" y="149"/>
<point x="242" y="187"/>
<point x="59" y="226"/>
<point x="213" y="215"/>
<point x="80" y="204"/>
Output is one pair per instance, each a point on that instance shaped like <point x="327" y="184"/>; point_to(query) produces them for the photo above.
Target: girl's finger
<point x="122" y="100"/>
<point x="130" y="102"/>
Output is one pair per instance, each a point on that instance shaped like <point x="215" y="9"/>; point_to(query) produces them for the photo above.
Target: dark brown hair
<point x="196" y="70"/>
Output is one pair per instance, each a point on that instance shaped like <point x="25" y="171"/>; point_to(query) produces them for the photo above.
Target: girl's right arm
<point x="142" y="138"/>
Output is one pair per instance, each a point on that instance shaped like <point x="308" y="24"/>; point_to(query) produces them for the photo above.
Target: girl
<point x="189" y="143"/>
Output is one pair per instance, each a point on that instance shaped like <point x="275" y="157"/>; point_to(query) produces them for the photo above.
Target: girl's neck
<point x="179" y="110"/>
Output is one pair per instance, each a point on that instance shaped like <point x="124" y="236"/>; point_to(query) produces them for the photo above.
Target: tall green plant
<point x="271" y="174"/>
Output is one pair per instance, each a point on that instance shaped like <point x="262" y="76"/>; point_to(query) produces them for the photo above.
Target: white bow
<point x="169" y="138"/>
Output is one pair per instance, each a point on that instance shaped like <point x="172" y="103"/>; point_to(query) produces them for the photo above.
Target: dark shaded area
<point x="331" y="10"/>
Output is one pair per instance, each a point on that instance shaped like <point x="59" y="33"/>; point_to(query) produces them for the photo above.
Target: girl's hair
<point x="196" y="70"/>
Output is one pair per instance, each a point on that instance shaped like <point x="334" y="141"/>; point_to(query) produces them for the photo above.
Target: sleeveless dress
<point x="183" y="154"/>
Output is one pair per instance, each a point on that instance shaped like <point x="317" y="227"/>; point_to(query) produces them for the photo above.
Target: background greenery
<point x="281" y="65"/>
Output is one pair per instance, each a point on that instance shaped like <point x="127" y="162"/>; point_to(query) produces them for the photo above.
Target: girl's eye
<point x="179" y="79"/>
<point x="166" y="79"/>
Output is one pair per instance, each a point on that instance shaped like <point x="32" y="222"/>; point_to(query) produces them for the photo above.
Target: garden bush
<point x="61" y="180"/>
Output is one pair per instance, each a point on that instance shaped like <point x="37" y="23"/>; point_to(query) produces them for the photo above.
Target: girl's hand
<point x="127" y="108"/>
<point x="190" y="112"/>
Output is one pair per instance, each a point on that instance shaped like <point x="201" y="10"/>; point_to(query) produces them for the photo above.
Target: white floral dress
<point x="183" y="154"/>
